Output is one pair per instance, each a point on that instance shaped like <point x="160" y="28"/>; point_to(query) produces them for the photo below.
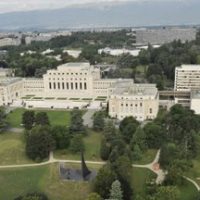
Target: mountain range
<point x="126" y="14"/>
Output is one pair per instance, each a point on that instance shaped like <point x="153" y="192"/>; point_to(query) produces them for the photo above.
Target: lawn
<point x="12" y="149"/>
<point x="139" y="178"/>
<point x="56" y="117"/>
<point x="147" y="157"/>
<point x="92" y="148"/>
<point x="187" y="191"/>
<point x="44" y="178"/>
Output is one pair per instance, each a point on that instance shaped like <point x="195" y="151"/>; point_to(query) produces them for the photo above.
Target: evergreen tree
<point x="98" y="121"/>
<point x="104" y="180"/>
<point x="28" y="119"/>
<point x="105" y="149"/>
<point x="76" y="122"/>
<point x="77" y="144"/>
<point x="116" y="191"/>
<point x="41" y="118"/>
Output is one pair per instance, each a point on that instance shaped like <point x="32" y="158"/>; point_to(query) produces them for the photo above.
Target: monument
<point x="83" y="174"/>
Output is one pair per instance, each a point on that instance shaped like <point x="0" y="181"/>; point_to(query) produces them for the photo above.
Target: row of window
<point x="136" y="105"/>
<point x="76" y="79"/>
<point x="68" y="86"/>
<point x="67" y="74"/>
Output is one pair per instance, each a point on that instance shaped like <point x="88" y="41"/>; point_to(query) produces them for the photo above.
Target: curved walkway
<point x="193" y="182"/>
<point x="160" y="174"/>
<point x="154" y="166"/>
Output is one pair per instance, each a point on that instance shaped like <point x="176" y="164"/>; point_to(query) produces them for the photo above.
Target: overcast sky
<point x="25" y="5"/>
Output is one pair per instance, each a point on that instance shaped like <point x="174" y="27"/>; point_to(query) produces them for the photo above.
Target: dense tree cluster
<point x="41" y="137"/>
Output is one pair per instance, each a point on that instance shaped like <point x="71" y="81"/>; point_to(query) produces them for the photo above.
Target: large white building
<point x="73" y="84"/>
<point x="138" y="100"/>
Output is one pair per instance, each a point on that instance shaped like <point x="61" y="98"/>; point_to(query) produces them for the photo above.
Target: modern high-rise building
<point x="187" y="78"/>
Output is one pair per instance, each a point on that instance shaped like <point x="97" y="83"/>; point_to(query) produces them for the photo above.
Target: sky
<point x="26" y="5"/>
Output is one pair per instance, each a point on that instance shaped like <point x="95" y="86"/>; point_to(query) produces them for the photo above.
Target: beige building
<point x="82" y="81"/>
<point x="138" y="100"/>
<point x="10" y="89"/>
<point x="5" y="72"/>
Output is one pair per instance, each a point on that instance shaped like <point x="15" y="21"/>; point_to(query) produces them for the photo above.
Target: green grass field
<point x="139" y="178"/>
<point x="92" y="144"/>
<point x="12" y="149"/>
<point x="147" y="157"/>
<point x="44" y="178"/>
<point x="56" y="117"/>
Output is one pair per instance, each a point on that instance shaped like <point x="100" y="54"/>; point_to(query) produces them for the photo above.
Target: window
<point x="63" y="86"/>
<point x="80" y="86"/>
<point x="85" y="86"/>
<point x="150" y="110"/>
<point x="54" y="85"/>
<point x="76" y="86"/>
<point x="50" y="85"/>
<point x="140" y="104"/>
<point x="59" y="86"/>
<point x="72" y="86"/>
<point x="67" y="86"/>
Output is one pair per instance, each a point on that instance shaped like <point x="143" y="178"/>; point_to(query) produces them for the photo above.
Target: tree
<point x="123" y="169"/>
<point x="61" y="136"/>
<point x="137" y="153"/>
<point x="39" y="143"/>
<point x="41" y="118"/>
<point x="77" y="144"/>
<point x="105" y="149"/>
<point x="155" y="135"/>
<point x="167" y="192"/>
<point x="28" y="119"/>
<point x="109" y="131"/>
<point x="116" y="191"/>
<point x="104" y="180"/>
<point x="128" y="127"/>
<point x="98" y="121"/>
<point x="139" y="138"/>
<point x="76" y="122"/>
<point x="2" y="118"/>
<point x="94" y="196"/>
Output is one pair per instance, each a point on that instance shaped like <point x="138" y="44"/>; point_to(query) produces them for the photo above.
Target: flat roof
<point x="136" y="90"/>
<point x="78" y="64"/>
<point x="8" y="80"/>
<point x="188" y="67"/>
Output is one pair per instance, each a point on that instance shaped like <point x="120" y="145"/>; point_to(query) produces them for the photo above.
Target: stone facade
<point x="82" y="81"/>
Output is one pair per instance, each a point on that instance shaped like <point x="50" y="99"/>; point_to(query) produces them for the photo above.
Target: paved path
<point x="154" y="166"/>
<point x="87" y="118"/>
<point x="50" y="161"/>
<point x="15" y="130"/>
<point x="193" y="182"/>
<point x="159" y="172"/>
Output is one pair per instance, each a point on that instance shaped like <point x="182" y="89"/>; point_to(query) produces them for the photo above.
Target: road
<point x="88" y="118"/>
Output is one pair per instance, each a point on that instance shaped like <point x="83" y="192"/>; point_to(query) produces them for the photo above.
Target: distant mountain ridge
<point x="105" y="15"/>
